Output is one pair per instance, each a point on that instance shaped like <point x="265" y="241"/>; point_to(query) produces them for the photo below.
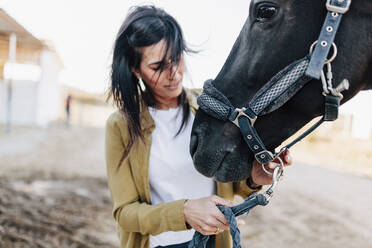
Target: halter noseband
<point x="283" y="86"/>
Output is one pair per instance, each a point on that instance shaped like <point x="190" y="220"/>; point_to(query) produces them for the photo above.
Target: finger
<point x="221" y="201"/>
<point x="272" y="165"/>
<point x="210" y="230"/>
<point x="217" y="219"/>
<point x="198" y="228"/>
<point x="202" y="231"/>
<point x="220" y="219"/>
<point x="265" y="178"/>
<point x="287" y="160"/>
<point x="286" y="157"/>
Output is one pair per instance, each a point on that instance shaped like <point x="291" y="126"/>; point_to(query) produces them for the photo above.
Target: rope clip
<point x="277" y="175"/>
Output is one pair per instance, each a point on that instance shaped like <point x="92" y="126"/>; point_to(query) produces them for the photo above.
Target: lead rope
<point x="201" y="241"/>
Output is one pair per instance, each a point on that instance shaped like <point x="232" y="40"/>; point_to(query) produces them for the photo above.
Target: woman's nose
<point x="174" y="73"/>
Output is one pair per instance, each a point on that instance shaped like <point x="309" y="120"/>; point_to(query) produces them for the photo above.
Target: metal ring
<point x="265" y="170"/>
<point x="334" y="55"/>
<point x="278" y="175"/>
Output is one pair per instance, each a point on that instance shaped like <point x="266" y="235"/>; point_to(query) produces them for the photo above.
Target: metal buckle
<point x="337" y="9"/>
<point x="263" y="153"/>
<point x="242" y="113"/>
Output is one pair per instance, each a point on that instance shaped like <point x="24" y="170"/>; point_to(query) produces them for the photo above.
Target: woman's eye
<point x="266" y="12"/>
<point x="158" y="67"/>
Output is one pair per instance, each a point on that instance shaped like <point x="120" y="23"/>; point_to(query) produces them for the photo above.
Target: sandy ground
<point x="314" y="208"/>
<point x="53" y="193"/>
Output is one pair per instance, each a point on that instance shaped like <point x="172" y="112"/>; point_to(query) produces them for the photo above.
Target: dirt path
<point x="53" y="193"/>
<point x="55" y="212"/>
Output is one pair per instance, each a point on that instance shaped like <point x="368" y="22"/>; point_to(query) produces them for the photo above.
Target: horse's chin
<point x="228" y="167"/>
<point x="229" y="173"/>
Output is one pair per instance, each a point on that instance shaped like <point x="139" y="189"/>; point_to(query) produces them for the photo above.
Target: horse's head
<point x="276" y="33"/>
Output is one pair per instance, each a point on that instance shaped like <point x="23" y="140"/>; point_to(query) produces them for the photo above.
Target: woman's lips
<point x="173" y="86"/>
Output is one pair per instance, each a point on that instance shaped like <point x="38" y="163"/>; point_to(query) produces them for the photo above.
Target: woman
<point x="158" y="197"/>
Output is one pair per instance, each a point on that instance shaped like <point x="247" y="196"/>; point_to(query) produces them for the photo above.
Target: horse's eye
<point x="266" y="12"/>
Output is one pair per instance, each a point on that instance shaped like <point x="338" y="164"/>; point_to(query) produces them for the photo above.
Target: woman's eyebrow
<point x="155" y="63"/>
<point x="158" y="62"/>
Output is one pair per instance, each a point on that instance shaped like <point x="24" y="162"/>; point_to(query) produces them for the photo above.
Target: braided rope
<point x="201" y="241"/>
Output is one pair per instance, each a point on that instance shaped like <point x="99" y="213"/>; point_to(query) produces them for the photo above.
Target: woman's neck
<point x="166" y="103"/>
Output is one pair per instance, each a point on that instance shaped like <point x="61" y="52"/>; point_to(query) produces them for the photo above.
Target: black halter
<point x="282" y="87"/>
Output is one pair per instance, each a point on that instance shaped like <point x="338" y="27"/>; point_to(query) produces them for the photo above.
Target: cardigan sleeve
<point x="132" y="214"/>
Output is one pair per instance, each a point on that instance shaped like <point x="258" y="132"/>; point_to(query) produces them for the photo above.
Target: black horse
<point x="276" y="33"/>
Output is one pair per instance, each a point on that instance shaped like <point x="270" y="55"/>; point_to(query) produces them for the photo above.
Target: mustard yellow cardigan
<point x="129" y="186"/>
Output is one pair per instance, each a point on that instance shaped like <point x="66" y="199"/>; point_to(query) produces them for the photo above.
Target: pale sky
<point x="83" y="33"/>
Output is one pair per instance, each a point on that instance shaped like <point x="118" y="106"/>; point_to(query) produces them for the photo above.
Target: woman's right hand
<point x="204" y="216"/>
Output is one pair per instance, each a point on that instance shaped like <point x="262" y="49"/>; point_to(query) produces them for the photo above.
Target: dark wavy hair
<point x="143" y="26"/>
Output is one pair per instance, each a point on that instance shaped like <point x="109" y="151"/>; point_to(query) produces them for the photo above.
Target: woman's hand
<point x="204" y="216"/>
<point x="260" y="177"/>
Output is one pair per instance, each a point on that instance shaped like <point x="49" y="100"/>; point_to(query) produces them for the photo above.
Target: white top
<point x="172" y="174"/>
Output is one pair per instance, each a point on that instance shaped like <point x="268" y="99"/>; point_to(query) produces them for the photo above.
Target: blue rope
<point x="200" y="241"/>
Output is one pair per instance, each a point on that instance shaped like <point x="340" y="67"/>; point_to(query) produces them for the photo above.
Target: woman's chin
<point x="174" y="92"/>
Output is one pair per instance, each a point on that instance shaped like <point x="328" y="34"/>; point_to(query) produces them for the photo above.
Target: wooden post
<point x="12" y="59"/>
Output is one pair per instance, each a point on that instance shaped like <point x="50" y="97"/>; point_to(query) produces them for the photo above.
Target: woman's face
<point x="166" y="85"/>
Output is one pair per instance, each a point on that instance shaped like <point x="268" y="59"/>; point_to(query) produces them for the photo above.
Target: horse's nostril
<point x="193" y="144"/>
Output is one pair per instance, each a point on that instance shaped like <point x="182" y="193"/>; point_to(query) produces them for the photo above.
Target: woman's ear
<point x="136" y="73"/>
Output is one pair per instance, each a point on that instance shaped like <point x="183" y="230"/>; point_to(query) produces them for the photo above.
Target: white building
<point x="29" y="72"/>
<point x="359" y="109"/>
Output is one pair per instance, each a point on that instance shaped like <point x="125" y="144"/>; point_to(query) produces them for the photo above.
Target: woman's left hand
<point x="260" y="177"/>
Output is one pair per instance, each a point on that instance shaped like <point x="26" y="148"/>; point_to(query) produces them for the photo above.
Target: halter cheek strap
<point x="336" y="9"/>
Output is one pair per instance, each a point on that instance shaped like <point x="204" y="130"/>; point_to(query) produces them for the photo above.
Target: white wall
<point x="48" y="104"/>
<point x="2" y="101"/>
<point x="359" y="108"/>
<point x="34" y="102"/>
<point x="23" y="107"/>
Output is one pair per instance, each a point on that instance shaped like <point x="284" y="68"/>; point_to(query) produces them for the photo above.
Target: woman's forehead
<point x="155" y="53"/>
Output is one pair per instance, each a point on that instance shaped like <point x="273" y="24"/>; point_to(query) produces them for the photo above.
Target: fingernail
<point x="272" y="165"/>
